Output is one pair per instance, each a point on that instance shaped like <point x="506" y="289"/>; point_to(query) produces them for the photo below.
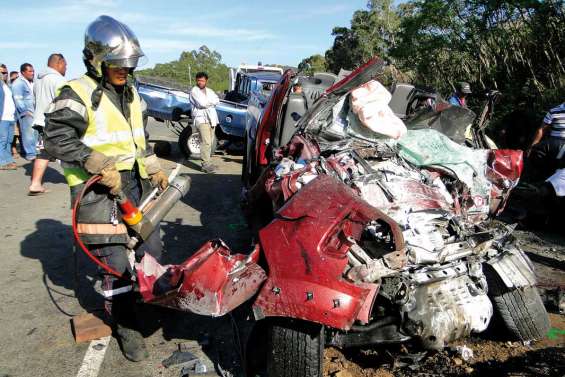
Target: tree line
<point x="183" y="70"/>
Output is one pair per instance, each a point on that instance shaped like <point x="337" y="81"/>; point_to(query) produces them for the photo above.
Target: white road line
<point x="93" y="358"/>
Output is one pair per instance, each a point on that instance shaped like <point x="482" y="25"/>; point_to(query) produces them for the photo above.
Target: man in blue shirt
<point x="22" y="91"/>
<point x="458" y="98"/>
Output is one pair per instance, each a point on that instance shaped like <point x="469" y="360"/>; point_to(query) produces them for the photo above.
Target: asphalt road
<point x="38" y="280"/>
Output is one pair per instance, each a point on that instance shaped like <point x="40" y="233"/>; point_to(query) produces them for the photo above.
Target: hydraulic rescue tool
<point x="142" y="220"/>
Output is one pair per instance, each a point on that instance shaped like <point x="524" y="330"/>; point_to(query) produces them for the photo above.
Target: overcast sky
<point x="281" y="32"/>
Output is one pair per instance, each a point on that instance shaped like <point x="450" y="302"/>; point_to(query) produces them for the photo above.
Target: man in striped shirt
<point x="554" y="122"/>
<point x="547" y="153"/>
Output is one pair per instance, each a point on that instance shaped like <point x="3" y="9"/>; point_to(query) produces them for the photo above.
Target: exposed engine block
<point x="438" y="303"/>
<point x="441" y="311"/>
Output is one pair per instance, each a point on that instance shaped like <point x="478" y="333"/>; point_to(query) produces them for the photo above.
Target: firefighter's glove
<point x="157" y="176"/>
<point x="160" y="180"/>
<point x="112" y="179"/>
<point x="99" y="164"/>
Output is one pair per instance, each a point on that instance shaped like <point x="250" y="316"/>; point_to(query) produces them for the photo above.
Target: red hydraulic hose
<point x="76" y="206"/>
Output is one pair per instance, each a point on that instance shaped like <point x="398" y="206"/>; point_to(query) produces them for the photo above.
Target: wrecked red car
<point x="364" y="237"/>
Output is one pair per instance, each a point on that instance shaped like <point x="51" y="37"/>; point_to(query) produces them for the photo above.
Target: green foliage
<point x="372" y="32"/>
<point x="517" y="47"/>
<point x="312" y="64"/>
<point x="202" y="59"/>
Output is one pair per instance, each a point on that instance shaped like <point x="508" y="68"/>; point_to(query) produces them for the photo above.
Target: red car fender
<point x="305" y="248"/>
<point x="213" y="281"/>
<point x="505" y="167"/>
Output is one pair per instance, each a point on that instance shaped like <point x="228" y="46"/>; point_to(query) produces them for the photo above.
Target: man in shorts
<point x="45" y="90"/>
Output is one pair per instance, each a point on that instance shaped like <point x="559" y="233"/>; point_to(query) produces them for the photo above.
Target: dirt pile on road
<point x="490" y="358"/>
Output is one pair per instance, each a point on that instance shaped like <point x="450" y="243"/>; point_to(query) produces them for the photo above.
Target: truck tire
<point x="295" y="349"/>
<point x="520" y="310"/>
<point x="162" y="148"/>
<point x="176" y="114"/>
<point x="189" y="143"/>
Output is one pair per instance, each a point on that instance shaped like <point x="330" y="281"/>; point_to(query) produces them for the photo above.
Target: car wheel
<point x="295" y="349"/>
<point x="189" y="142"/>
<point x="520" y="310"/>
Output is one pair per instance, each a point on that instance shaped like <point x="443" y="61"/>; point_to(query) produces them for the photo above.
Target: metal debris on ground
<point x="411" y="360"/>
<point x="98" y="346"/>
<point x="194" y="369"/>
<point x="181" y="358"/>
<point x="223" y="372"/>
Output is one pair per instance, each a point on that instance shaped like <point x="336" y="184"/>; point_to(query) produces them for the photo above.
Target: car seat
<point x="401" y="96"/>
<point x="314" y="86"/>
<point x="295" y="109"/>
<point x="297" y="104"/>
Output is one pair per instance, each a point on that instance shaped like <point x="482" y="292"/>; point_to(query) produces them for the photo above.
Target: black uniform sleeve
<point x="65" y="124"/>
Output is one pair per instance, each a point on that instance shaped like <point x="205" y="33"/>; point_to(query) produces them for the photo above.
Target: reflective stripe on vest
<point x="109" y="132"/>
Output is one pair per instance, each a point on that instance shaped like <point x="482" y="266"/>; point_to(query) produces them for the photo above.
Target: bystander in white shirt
<point x="9" y="106"/>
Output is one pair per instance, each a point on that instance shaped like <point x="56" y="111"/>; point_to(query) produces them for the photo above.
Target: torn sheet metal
<point x="211" y="282"/>
<point x="514" y="268"/>
<point x="429" y="148"/>
<point x="308" y="243"/>
<point x="504" y="169"/>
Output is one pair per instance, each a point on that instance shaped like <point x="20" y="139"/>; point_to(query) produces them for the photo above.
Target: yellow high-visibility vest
<point x="109" y="132"/>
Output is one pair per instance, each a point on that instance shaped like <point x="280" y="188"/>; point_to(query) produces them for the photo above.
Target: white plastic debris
<point x="286" y="166"/>
<point x="370" y="103"/>
<point x="200" y="368"/>
<point x="370" y="92"/>
<point x="557" y="180"/>
<point x="465" y="352"/>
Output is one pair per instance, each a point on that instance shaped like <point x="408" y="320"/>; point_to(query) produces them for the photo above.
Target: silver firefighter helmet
<point x="111" y="42"/>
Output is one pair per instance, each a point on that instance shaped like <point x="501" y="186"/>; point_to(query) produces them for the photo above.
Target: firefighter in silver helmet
<point x="95" y="127"/>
